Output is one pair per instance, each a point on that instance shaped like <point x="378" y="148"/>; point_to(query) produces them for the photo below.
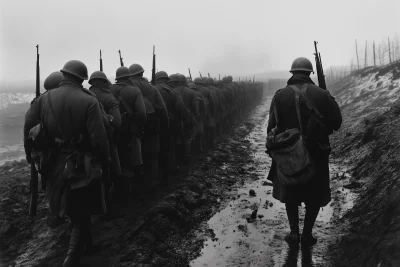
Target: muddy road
<point x="234" y="239"/>
<point x="200" y="219"/>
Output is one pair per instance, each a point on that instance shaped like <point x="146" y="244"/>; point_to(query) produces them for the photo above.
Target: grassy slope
<point x="369" y="139"/>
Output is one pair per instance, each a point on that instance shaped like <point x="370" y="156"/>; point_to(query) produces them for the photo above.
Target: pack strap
<point x="298" y="92"/>
<point x="54" y="116"/>
<point x="309" y="103"/>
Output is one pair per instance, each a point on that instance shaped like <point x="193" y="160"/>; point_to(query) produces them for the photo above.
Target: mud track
<point x="199" y="220"/>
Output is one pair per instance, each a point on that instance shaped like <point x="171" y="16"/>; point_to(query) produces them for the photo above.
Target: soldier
<point x="133" y="118"/>
<point x="209" y="83"/>
<point x="53" y="80"/>
<point x="177" y="114"/>
<point x="209" y="122"/>
<point x="316" y="192"/>
<point x="202" y="103"/>
<point x="157" y="121"/>
<point x="178" y="82"/>
<point x="72" y="119"/>
<point x="100" y="87"/>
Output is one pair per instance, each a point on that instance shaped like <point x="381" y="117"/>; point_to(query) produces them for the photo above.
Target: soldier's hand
<point x="28" y="158"/>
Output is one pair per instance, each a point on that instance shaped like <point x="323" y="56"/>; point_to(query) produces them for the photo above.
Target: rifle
<point x="200" y="75"/>
<point x="34" y="174"/>
<point x="120" y="58"/>
<point x="101" y="62"/>
<point x="208" y="75"/>
<point x="320" y="71"/>
<point x="153" y="71"/>
<point x="219" y="77"/>
<point x="190" y="74"/>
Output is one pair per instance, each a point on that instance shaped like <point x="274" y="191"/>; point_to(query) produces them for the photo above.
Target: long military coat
<point x="317" y="191"/>
<point x="75" y="112"/>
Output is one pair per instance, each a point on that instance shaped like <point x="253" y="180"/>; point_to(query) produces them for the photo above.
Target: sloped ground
<point x="369" y="140"/>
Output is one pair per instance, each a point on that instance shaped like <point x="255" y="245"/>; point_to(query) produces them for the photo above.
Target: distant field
<point x="11" y="136"/>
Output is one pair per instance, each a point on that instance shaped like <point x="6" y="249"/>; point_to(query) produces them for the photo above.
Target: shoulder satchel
<point x="288" y="150"/>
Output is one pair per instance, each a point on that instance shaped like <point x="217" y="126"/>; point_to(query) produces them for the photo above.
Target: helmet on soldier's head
<point x="174" y="78"/>
<point x="229" y="78"/>
<point x="192" y="86"/>
<point x="182" y="78"/>
<point x="98" y="75"/>
<point x="302" y="64"/>
<point x="209" y="81"/>
<point x="122" y="72"/>
<point x="225" y="80"/>
<point x="161" y="74"/>
<point x="189" y="80"/>
<point x="53" y="80"/>
<point x="135" y="69"/>
<point x="198" y="80"/>
<point x="76" y="68"/>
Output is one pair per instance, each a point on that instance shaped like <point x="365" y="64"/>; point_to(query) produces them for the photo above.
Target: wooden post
<point x="390" y="59"/>
<point x="374" y="54"/>
<point x="366" y="59"/>
<point x="358" y="63"/>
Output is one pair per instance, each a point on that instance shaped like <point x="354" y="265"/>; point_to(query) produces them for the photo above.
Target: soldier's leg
<point x="293" y="217"/>
<point x="312" y="211"/>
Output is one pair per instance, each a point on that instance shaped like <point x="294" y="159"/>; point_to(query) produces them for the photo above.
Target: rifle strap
<point x="126" y="106"/>
<point x="309" y="103"/>
<point x="297" y="92"/>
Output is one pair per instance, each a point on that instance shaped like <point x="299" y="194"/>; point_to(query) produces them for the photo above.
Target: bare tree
<point x="374" y="54"/>
<point x="390" y="59"/>
<point x="366" y="59"/>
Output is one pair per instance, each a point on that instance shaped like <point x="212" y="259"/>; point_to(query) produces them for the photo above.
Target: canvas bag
<point x="289" y="151"/>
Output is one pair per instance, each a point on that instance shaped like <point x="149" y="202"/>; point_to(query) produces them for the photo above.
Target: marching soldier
<point x="133" y="118"/>
<point x="316" y="193"/>
<point x="53" y="80"/>
<point x="72" y="119"/>
<point x="209" y="122"/>
<point x="157" y="121"/>
<point x="99" y="87"/>
<point x="202" y="103"/>
<point x="177" y="114"/>
<point x="178" y="82"/>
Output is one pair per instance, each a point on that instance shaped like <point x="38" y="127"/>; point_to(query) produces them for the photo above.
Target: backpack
<point x="289" y="151"/>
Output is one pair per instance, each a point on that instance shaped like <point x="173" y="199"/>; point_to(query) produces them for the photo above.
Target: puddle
<point x="237" y="242"/>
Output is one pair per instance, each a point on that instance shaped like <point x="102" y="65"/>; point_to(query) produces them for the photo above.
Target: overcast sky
<point x="220" y="36"/>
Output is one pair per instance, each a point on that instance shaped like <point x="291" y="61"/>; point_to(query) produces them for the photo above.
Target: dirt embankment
<point x="151" y="229"/>
<point x="369" y="140"/>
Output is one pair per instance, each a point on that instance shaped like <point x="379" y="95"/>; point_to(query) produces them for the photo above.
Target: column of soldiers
<point x="138" y="133"/>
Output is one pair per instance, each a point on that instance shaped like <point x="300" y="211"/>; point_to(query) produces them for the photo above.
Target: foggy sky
<point x="216" y="37"/>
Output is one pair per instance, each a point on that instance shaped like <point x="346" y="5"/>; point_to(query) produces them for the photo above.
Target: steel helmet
<point x="229" y="78"/>
<point x="161" y="74"/>
<point x="98" y="75"/>
<point x="209" y="81"/>
<point x="53" y="80"/>
<point x="76" y="68"/>
<point x="182" y="78"/>
<point x="192" y="86"/>
<point x="302" y="64"/>
<point x="174" y="78"/>
<point x="135" y="69"/>
<point x="122" y="72"/>
<point x="225" y="80"/>
<point x="189" y="80"/>
<point x="198" y="80"/>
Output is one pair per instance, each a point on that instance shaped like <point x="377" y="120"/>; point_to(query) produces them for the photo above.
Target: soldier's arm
<point x="139" y="110"/>
<point x="32" y="117"/>
<point x="97" y="132"/>
<point x="271" y="119"/>
<point x="162" y="109"/>
<point x="334" y="115"/>
<point x="116" y="122"/>
<point x="181" y="108"/>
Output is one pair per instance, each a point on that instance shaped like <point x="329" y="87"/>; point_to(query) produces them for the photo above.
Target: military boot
<point x="293" y="238"/>
<point x="307" y="239"/>
<point x="75" y="248"/>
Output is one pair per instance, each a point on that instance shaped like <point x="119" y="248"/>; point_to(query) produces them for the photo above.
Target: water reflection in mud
<point x="238" y="240"/>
